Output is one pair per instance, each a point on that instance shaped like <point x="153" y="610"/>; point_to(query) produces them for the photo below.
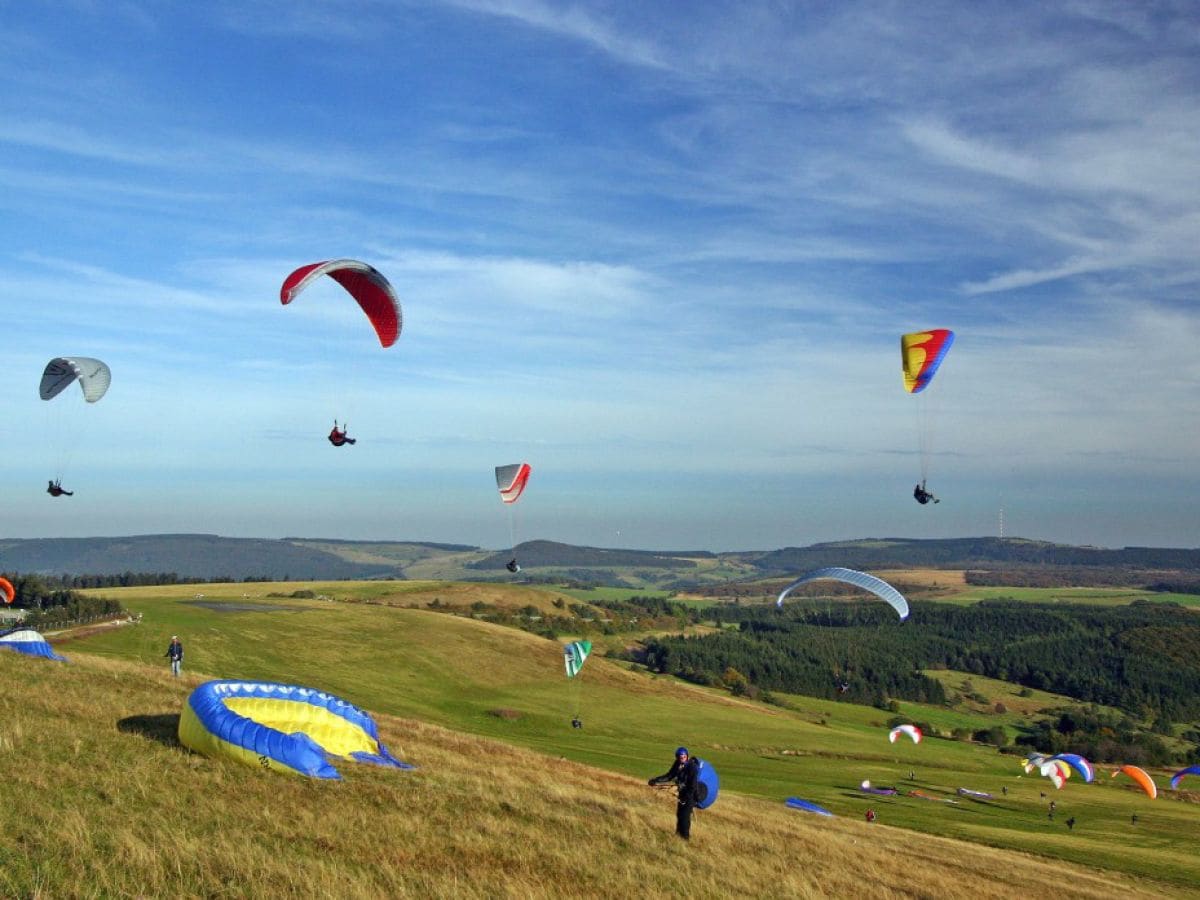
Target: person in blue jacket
<point x="683" y="773"/>
<point x="175" y="654"/>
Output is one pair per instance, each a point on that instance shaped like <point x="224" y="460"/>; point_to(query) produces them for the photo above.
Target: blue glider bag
<point x="710" y="784"/>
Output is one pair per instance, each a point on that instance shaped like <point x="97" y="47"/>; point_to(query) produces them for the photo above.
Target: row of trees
<point x="52" y="604"/>
<point x="1143" y="658"/>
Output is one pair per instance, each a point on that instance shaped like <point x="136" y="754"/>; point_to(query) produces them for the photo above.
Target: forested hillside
<point x="1143" y="658"/>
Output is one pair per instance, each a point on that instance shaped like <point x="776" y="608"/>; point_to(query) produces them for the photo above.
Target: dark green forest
<point x="51" y="602"/>
<point x="1143" y="658"/>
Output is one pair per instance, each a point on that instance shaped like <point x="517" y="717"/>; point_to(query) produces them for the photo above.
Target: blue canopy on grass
<point x="27" y="641"/>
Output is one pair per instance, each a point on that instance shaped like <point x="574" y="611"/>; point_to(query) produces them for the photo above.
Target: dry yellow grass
<point x="99" y="800"/>
<point x="927" y="578"/>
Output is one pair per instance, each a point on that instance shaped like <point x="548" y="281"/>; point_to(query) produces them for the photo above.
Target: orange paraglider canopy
<point x="1140" y="776"/>
<point x="6" y="587"/>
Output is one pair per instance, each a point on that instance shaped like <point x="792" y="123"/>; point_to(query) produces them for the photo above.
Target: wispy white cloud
<point x="574" y="21"/>
<point x="646" y="239"/>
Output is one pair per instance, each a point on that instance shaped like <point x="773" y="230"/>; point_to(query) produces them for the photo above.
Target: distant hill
<point x="211" y="557"/>
<point x="205" y="556"/>
<point x="966" y="553"/>
<point x="534" y="554"/>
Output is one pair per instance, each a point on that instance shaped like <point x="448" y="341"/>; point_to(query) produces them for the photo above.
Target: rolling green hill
<point x="499" y="684"/>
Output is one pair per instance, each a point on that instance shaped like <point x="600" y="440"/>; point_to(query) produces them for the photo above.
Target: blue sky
<point x="663" y="252"/>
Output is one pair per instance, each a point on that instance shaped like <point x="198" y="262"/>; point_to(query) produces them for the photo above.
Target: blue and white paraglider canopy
<point x="876" y="586"/>
<point x="27" y="641"/>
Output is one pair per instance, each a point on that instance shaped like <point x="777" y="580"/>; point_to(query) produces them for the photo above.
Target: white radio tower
<point x="1001" y="523"/>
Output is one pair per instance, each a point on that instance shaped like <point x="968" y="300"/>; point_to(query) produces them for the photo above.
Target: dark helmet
<point x="682" y="751"/>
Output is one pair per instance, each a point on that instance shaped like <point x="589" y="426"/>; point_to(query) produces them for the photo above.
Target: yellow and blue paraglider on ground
<point x="280" y="726"/>
<point x="27" y="641"/>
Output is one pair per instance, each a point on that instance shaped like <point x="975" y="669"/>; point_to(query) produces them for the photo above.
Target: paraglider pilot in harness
<point x="338" y="437"/>
<point x="55" y="489"/>
<point x="512" y="566"/>
<point x="683" y="774"/>
<point x="923" y="496"/>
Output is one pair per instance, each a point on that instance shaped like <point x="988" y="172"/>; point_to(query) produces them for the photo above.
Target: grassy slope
<point x="100" y="801"/>
<point x="453" y="672"/>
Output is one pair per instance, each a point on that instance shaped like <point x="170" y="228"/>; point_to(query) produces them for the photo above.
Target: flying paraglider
<point x="372" y="292"/>
<point x="575" y="654"/>
<point x="10" y="593"/>
<point x="364" y="283"/>
<point x="911" y="730"/>
<point x="1145" y="782"/>
<point x="93" y="378"/>
<point x="876" y="586"/>
<point x="921" y="355"/>
<point x="511" y="481"/>
<point x="1181" y="774"/>
<point x="823" y="641"/>
<point x="280" y="726"/>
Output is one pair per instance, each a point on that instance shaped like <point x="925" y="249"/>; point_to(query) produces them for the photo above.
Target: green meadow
<point x="1089" y="595"/>
<point x="502" y="684"/>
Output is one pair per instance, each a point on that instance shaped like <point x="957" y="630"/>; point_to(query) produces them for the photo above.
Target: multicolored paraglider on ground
<point x="29" y="642"/>
<point x="280" y="726"/>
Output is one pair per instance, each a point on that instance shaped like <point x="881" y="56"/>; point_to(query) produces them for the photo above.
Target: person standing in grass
<point x="683" y="772"/>
<point x="175" y="654"/>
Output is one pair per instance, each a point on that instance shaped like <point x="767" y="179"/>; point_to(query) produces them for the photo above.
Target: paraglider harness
<point x="338" y="437"/>
<point x="54" y="489"/>
<point x="684" y="778"/>
<point x="923" y="496"/>
<point x="512" y="566"/>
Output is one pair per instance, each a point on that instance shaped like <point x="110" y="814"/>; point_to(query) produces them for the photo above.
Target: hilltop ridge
<point x="214" y="558"/>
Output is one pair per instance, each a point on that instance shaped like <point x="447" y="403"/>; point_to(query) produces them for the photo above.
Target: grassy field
<point x="1093" y="596"/>
<point x="458" y="673"/>
<point x="101" y="801"/>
